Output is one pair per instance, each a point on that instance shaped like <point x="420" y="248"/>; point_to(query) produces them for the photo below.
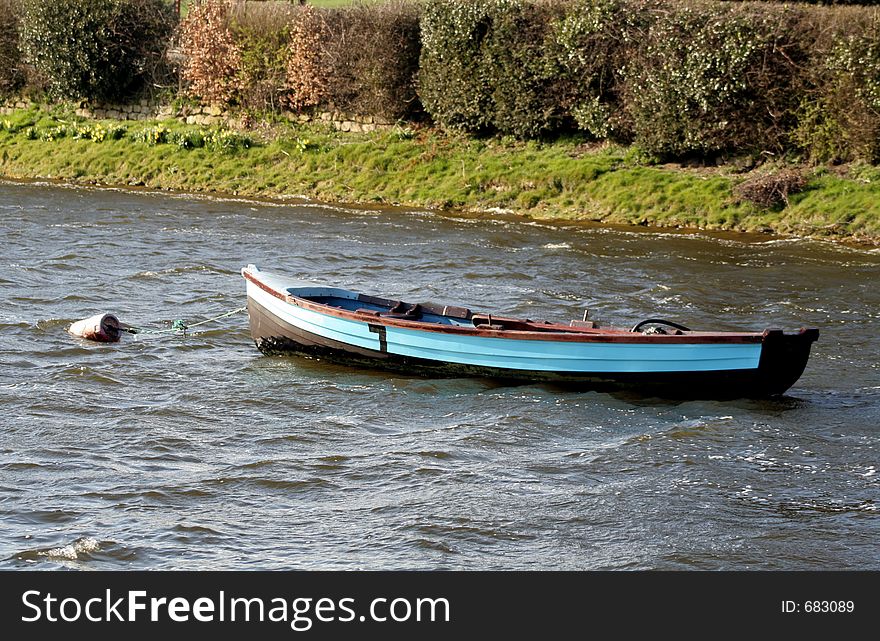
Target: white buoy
<point x="100" y="327"/>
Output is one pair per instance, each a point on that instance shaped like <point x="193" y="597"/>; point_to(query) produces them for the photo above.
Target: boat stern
<point x="784" y="357"/>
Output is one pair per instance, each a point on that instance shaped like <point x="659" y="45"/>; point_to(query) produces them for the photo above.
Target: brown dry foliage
<point x="770" y="191"/>
<point x="306" y="76"/>
<point x="212" y="56"/>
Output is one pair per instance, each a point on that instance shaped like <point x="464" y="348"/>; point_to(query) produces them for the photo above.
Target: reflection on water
<point x="198" y="452"/>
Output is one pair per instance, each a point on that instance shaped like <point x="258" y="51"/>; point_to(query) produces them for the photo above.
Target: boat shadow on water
<point x="676" y="397"/>
<point x="345" y="373"/>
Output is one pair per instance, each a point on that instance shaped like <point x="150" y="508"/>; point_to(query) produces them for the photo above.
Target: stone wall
<point x="10" y="105"/>
<point x="143" y="110"/>
<point x="345" y="122"/>
<point x="205" y="115"/>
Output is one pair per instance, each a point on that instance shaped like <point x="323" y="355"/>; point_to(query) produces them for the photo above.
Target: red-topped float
<point x="104" y="328"/>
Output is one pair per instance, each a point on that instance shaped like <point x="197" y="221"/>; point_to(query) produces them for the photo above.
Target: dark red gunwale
<point x="564" y="333"/>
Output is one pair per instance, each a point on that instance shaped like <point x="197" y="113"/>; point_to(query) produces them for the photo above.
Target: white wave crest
<point x="71" y="552"/>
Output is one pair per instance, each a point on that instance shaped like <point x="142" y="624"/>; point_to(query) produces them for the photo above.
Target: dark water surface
<point x="200" y="453"/>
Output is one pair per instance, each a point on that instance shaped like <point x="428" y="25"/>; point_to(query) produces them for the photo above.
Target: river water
<point x="197" y="452"/>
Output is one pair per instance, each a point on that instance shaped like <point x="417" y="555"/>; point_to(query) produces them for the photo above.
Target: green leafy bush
<point x="484" y="66"/>
<point x="844" y="124"/>
<point x="526" y="98"/>
<point x="590" y="45"/>
<point x="11" y="73"/>
<point x="261" y="31"/>
<point x="453" y="84"/>
<point x="96" y="49"/>
<point x="521" y="67"/>
<point x="708" y="77"/>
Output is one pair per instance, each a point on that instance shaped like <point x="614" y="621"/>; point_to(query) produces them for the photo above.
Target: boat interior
<point x="464" y="317"/>
<point x="375" y="306"/>
<point x="440" y="314"/>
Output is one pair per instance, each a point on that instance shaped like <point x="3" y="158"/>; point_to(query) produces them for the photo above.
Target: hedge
<point x="676" y="77"/>
<point x="589" y="47"/>
<point x="261" y="32"/>
<point x="96" y="49"/>
<point x="838" y="115"/>
<point x="453" y="84"/>
<point x="11" y="72"/>
<point x="521" y="68"/>
<point x="526" y="87"/>
<point x="371" y="53"/>
<point x="268" y="56"/>
<point x="212" y="58"/>
<point x="704" y="78"/>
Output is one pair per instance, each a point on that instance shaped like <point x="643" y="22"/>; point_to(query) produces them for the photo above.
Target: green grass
<point x="425" y="168"/>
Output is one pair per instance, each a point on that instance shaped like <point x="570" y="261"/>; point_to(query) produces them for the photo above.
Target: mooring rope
<point x="179" y="326"/>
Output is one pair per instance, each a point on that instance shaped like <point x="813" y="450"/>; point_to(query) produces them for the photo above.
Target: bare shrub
<point x="372" y="57"/>
<point x="267" y="16"/>
<point x="770" y="191"/>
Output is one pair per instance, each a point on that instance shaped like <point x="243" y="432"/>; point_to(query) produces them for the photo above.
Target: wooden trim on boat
<point x="274" y="292"/>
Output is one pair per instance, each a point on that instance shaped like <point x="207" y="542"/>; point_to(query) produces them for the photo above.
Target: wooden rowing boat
<point x="654" y="357"/>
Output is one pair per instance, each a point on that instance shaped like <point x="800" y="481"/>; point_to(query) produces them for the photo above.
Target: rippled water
<point x="200" y="453"/>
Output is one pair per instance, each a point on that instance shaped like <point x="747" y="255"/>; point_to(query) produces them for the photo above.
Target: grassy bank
<point x="564" y="180"/>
